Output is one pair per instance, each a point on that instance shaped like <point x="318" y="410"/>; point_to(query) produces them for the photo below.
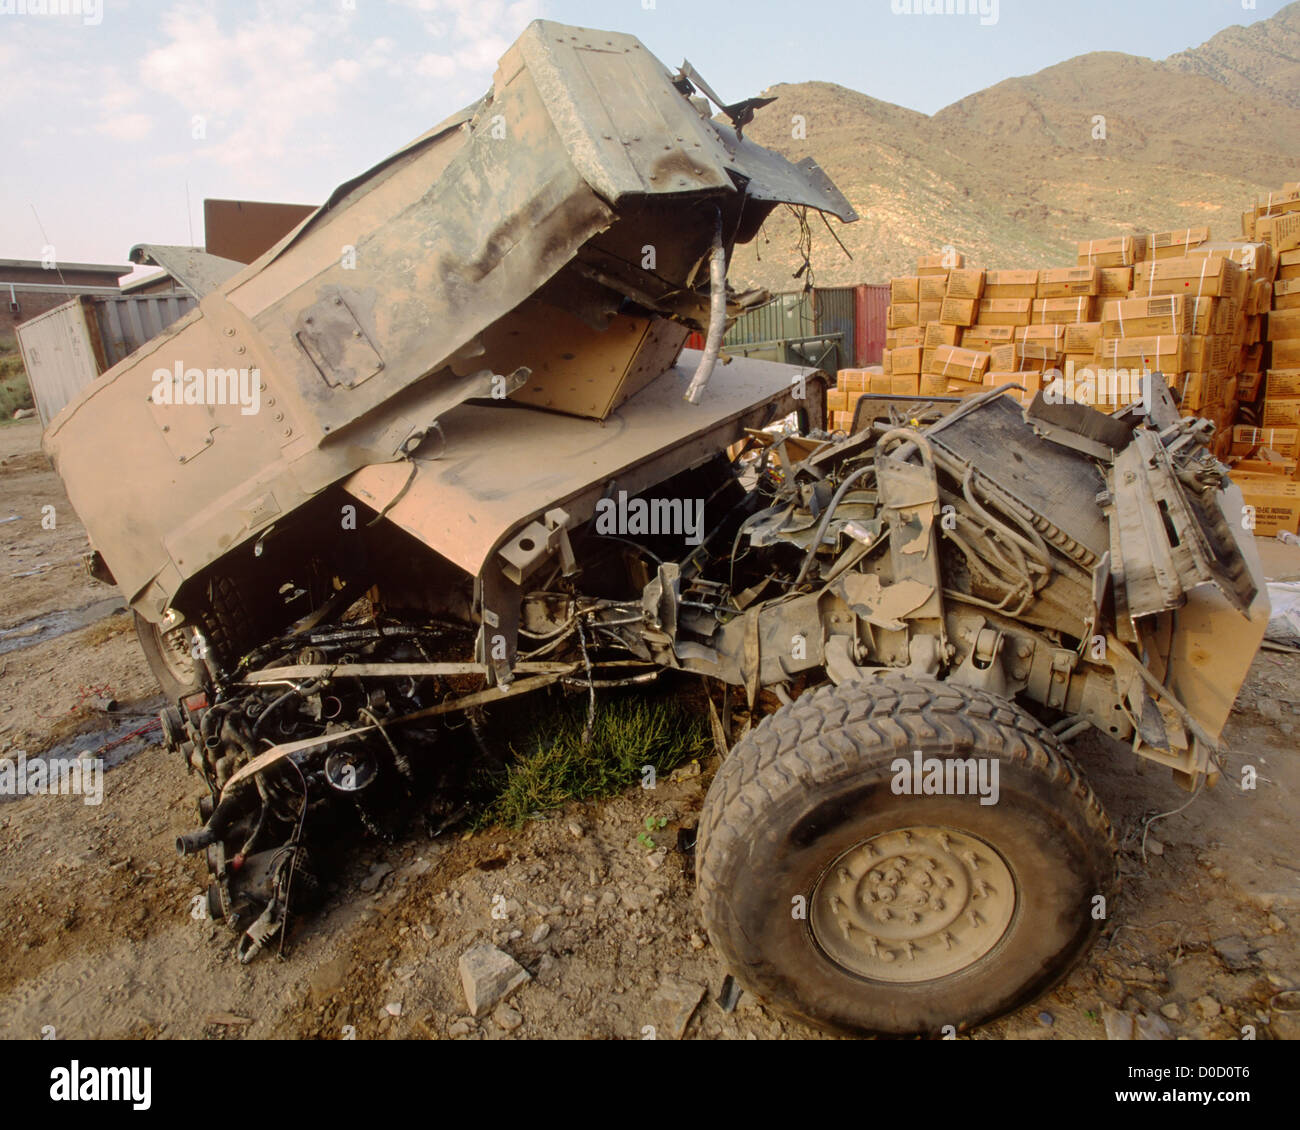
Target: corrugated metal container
<point x="66" y="348"/>
<point x="834" y="313"/>
<point x="811" y="352"/>
<point x="59" y="356"/>
<point x="871" y="311"/>
<point x="785" y="318"/>
<point x="127" y="323"/>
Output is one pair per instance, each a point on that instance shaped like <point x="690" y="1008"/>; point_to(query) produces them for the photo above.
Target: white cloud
<point x="127" y="127"/>
<point x="475" y="22"/>
<point x="435" y="66"/>
<point x="259" y="85"/>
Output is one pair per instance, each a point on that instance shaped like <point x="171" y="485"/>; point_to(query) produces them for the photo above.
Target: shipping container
<point x="126" y="323"/>
<point x="67" y="348"/>
<point x="871" y="306"/>
<point x="788" y="317"/>
<point x="59" y="356"/>
<point x="812" y="352"/>
<point x="834" y="313"/>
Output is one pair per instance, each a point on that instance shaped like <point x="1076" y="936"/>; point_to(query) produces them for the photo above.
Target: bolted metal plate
<point x="331" y="336"/>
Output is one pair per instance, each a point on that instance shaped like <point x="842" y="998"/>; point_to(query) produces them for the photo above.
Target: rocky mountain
<point x="1014" y="175"/>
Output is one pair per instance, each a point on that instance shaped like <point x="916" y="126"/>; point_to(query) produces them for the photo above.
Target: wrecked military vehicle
<point x="472" y="474"/>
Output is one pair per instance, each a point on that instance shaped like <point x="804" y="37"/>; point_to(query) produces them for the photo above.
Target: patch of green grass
<point x="652" y="824"/>
<point x="15" y="392"/>
<point x="553" y="767"/>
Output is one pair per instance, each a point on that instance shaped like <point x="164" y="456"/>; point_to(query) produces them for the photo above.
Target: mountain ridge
<point x="1014" y="175"/>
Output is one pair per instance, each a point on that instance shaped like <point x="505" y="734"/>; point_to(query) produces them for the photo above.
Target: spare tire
<point x="840" y="890"/>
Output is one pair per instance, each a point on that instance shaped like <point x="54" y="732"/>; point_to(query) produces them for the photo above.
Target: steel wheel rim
<point x="174" y="647"/>
<point x="914" y="904"/>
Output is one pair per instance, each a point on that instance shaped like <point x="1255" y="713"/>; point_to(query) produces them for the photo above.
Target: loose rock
<point x="676" y="1003"/>
<point x="507" y="1018"/>
<point x="1208" y="1007"/>
<point x="488" y="976"/>
<point x="377" y="875"/>
<point x="1235" y="952"/>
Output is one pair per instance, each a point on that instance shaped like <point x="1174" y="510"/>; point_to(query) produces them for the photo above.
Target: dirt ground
<point x="101" y="940"/>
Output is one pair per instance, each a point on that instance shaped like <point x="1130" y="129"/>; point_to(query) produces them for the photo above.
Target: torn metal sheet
<point x="1163" y="546"/>
<point x="192" y="267"/>
<point x="886" y="606"/>
<point x="1078" y="426"/>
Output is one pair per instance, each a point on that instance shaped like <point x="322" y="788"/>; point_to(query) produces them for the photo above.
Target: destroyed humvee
<point x="471" y="473"/>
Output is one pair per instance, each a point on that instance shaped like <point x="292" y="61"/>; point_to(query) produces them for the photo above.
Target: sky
<point x="121" y="116"/>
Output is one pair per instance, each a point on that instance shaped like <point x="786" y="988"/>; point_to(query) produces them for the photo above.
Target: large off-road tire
<point x="834" y="897"/>
<point x="170" y="658"/>
<point x="228" y="626"/>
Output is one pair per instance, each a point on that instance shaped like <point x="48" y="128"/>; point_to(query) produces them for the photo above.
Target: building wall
<point x="32" y="303"/>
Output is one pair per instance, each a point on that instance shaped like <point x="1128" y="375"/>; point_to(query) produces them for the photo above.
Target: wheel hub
<point x="177" y="654"/>
<point x="913" y="904"/>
